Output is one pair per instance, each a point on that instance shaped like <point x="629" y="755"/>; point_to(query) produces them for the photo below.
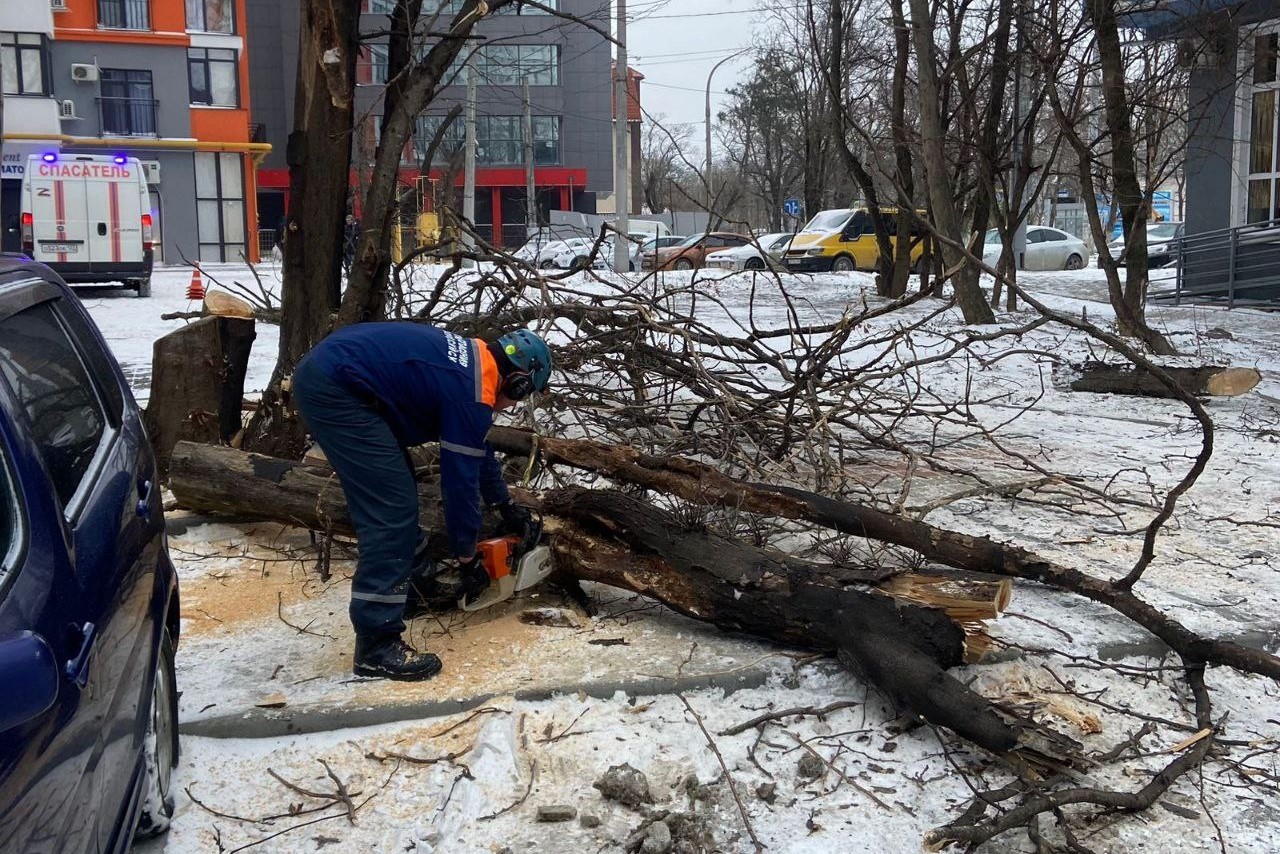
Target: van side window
<point x="41" y="366"/>
<point x="859" y="223"/>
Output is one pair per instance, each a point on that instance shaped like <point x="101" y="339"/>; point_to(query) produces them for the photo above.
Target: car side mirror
<point x="29" y="672"/>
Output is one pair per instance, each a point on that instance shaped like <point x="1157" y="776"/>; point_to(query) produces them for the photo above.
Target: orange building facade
<point x="166" y="81"/>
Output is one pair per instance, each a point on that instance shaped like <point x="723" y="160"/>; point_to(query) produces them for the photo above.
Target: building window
<point x="24" y="64"/>
<point x="1263" y="158"/>
<point x="211" y="16"/>
<point x="124" y="14"/>
<point x="371" y="67"/>
<point x="512" y="64"/>
<point x="379" y="7"/>
<point x="220" y="206"/>
<point x="499" y="140"/>
<point x="127" y="104"/>
<point x="213" y="76"/>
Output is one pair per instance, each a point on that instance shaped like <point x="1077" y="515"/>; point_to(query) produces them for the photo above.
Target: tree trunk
<point x="1109" y="378"/>
<point x="942" y="200"/>
<point x="197" y="384"/>
<point x="1129" y="196"/>
<point x="319" y="154"/>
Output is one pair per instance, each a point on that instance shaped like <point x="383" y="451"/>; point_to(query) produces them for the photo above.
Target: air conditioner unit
<point x="67" y="110"/>
<point x="151" y="168"/>
<point x="58" y="5"/>
<point x="83" y="72"/>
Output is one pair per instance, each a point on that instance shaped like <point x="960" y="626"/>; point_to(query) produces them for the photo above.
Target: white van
<point x="88" y="217"/>
<point x="648" y="227"/>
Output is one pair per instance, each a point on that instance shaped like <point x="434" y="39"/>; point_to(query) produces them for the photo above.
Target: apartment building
<point x="166" y="81"/>
<point x="566" y="65"/>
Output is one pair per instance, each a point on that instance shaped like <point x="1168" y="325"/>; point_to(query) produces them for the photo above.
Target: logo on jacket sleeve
<point x="459" y="349"/>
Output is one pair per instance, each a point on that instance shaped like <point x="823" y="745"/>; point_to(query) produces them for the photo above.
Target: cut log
<point x="222" y="304"/>
<point x="226" y="481"/>
<point x="197" y="384"/>
<point x="1211" y="380"/>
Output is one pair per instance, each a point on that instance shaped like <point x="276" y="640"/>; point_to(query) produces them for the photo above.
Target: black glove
<point x="473" y="579"/>
<point x="518" y="521"/>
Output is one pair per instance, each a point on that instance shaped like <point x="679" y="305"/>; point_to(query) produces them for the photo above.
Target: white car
<point x="749" y="257"/>
<point x="552" y="255"/>
<point x="1162" y="244"/>
<point x="576" y="254"/>
<point x="1047" y="249"/>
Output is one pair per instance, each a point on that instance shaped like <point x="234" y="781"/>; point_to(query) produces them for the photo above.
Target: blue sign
<point x="792" y="207"/>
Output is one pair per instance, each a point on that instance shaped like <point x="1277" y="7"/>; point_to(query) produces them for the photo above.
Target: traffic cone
<point x="195" y="290"/>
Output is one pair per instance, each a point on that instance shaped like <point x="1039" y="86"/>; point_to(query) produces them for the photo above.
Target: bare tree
<point x="662" y="160"/>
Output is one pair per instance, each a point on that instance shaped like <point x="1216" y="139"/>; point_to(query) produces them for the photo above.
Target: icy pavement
<point x="264" y="660"/>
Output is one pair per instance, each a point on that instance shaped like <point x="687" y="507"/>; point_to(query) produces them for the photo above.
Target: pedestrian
<point x="350" y="241"/>
<point x="369" y="392"/>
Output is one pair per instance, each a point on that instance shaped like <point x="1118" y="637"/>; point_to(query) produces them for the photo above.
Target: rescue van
<point x="843" y="240"/>
<point x="88" y="217"/>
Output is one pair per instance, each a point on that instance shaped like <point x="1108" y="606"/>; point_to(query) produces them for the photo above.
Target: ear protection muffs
<point x="517" y="385"/>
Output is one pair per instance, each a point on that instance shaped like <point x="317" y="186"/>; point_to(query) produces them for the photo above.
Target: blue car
<point x="88" y="595"/>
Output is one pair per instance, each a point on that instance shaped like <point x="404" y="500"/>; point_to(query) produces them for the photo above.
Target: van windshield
<point x="829" y="221"/>
<point x="993" y="236"/>
<point x="1163" y="229"/>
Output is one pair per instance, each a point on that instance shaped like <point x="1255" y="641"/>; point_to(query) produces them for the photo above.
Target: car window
<point x="1035" y="235"/>
<point x="735" y="240"/>
<point x="993" y="236"/>
<point x="43" y="369"/>
<point x="828" y="221"/>
<point x="1051" y="236"/>
<point x="96" y="359"/>
<point x="780" y="242"/>
<point x="859" y="224"/>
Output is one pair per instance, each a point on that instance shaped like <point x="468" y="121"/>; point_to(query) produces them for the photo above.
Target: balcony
<point x="127" y="116"/>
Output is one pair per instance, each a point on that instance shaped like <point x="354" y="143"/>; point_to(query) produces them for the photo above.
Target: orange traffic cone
<point x="195" y="290"/>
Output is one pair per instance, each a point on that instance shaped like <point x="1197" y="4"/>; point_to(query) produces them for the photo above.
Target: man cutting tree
<point x="369" y="392"/>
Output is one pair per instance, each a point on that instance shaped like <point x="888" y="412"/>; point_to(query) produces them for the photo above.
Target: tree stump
<point x="197" y="384"/>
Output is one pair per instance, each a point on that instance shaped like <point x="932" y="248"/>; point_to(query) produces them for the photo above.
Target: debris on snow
<point x="626" y="785"/>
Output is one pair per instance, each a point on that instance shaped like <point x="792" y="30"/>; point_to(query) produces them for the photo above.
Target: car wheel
<point x="843" y="264"/>
<point x="160" y="746"/>
<point x="143" y="286"/>
<point x="1075" y="262"/>
<point x="684" y="264"/>
<point x="755" y="264"/>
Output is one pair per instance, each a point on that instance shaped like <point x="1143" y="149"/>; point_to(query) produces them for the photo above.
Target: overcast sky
<point x="675" y="44"/>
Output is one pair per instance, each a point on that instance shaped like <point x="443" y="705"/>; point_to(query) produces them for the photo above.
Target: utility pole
<point x="1015" y="204"/>
<point x="530" y="190"/>
<point x="707" y="166"/>
<point x="469" y="167"/>
<point x="621" y="149"/>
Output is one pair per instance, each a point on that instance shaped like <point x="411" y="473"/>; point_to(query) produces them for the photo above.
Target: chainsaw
<point x="514" y="564"/>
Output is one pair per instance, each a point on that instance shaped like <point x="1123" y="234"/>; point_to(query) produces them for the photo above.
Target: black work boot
<point x="389" y="657"/>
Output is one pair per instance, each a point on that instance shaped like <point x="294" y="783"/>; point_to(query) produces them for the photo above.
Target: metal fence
<point x="128" y="116"/>
<point x="1229" y="266"/>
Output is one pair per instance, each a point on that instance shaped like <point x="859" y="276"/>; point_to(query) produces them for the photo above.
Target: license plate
<point x="794" y="262"/>
<point x="63" y="248"/>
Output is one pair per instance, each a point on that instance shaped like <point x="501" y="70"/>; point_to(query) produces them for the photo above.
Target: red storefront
<point x="500" y="195"/>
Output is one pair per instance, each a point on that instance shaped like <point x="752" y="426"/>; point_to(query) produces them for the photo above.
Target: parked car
<point x="692" y="254"/>
<point x="750" y="257"/>
<point x="579" y="255"/>
<point x="88" y="595"/>
<point x="651" y="247"/>
<point x="1162" y="244"/>
<point x="843" y="240"/>
<point x="1047" y="249"/>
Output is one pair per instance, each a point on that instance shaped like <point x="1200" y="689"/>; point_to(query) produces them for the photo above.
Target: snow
<point x="886" y="788"/>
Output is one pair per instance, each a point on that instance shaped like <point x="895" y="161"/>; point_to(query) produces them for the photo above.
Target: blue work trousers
<point x="382" y="497"/>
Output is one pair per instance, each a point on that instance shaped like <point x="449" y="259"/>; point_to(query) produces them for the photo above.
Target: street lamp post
<point x="714" y="69"/>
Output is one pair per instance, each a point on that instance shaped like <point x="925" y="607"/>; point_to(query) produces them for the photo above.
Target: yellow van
<point x="842" y="240"/>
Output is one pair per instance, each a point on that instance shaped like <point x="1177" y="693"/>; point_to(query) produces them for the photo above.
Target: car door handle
<point x="144" y="498"/>
<point x="77" y="669"/>
<point x="102" y="229"/>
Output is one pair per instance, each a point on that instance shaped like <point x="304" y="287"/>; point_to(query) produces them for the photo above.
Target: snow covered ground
<point x="526" y="716"/>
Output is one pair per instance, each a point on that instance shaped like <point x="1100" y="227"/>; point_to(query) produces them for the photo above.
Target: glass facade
<point x="499" y="140"/>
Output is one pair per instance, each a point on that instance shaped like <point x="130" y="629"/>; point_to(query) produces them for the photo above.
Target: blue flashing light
<point x="49" y="157"/>
<point x="119" y="158"/>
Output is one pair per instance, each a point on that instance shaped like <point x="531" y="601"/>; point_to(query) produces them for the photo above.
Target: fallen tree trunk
<point x="227" y="481"/>
<point x="699" y="483"/>
<point x="1213" y="380"/>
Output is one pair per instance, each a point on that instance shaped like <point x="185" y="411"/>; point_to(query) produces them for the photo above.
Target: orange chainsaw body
<point x="498" y="555"/>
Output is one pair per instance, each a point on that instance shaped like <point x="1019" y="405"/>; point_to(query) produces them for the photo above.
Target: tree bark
<point x="197" y="384"/>
<point x="942" y="204"/>
<point x="1108" y="378"/>
<point x="319" y="154"/>
<point x="1129" y="196"/>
